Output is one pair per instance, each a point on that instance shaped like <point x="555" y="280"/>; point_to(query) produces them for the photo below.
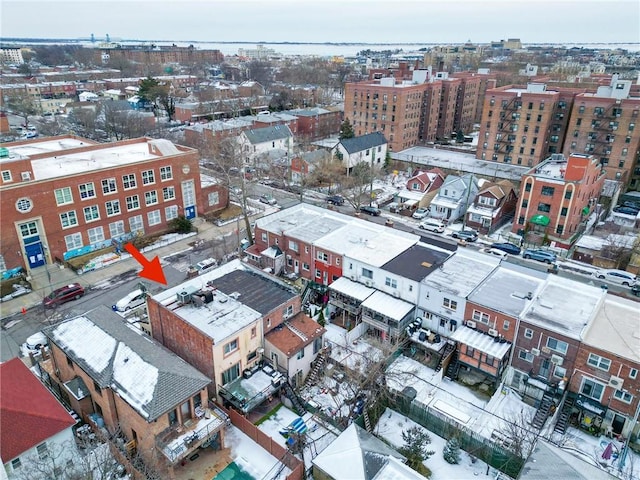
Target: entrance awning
<point x="540" y="219"/>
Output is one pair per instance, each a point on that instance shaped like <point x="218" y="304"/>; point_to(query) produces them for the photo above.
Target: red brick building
<point x="67" y="196"/>
<point x="556" y="198"/>
<point x="316" y="123"/>
<point x="449" y="103"/>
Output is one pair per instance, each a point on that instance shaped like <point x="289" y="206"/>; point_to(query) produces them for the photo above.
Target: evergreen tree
<point x="414" y="449"/>
<point x="346" y="130"/>
<point x="451" y="451"/>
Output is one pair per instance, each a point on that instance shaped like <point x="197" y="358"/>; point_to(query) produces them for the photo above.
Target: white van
<point x="206" y="265"/>
<point x="432" y="225"/>
<point x="131" y="301"/>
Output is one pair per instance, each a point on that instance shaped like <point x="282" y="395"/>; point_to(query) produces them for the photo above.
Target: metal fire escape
<point x="505" y="140"/>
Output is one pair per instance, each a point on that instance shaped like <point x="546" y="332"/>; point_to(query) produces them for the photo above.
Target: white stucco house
<point x="370" y="149"/>
<point x="275" y="141"/>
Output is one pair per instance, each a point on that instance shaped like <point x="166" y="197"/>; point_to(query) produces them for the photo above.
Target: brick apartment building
<point x="451" y="89"/>
<point x="68" y="196"/>
<point x="556" y="198"/>
<point x="152" y="54"/>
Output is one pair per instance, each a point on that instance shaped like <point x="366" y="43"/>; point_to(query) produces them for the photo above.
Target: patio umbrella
<point x="608" y="451"/>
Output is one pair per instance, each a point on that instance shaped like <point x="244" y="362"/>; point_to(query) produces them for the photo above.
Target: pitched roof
<point x="358" y="144"/>
<point x="150" y="378"/>
<point x="499" y="189"/>
<point x="29" y="413"/>
<point x="355" y="454"/>
<point x="295" y="334"/>
<point x="268" y="134"/>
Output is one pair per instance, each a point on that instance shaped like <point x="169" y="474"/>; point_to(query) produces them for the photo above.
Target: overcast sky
<point x="370" y="21"/>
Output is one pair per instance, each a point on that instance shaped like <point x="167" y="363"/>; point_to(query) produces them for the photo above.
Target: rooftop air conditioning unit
<point x="493" y="332"/>
<point x="616" y="382"/>
<point x="471" y="324"/>
<point x="557" y="360"/>
<point x="353" y="277"/>
<point x="535" y="351"/>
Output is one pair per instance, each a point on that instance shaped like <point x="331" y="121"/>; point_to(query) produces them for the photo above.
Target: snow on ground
<point x="392" y="424"/>
<point x="355" y="355"/>
<point x="251" y="457"/>
<point x="318" y="436"/>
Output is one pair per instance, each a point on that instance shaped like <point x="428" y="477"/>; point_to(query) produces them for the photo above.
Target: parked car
<point x="369" y="210"/>
<point x="540" y="255"/>
<point x="466" y="235"/>
<point x="635" y="290"/>
<point x="268" y="199"/>
<point x="617" y="276"/>
<point x="507" y="247"/>
<point x="420" y="213"/>
<point x="206" y="265"/>
<point x="130" y="301"/>
<point x="496" y="252"/>
<point x="33" y="344"/>
<point x="432" y="225"/>
<point x="335" y="199"/>
<point x="64" y="294"/>
<point x="627" y="211"/>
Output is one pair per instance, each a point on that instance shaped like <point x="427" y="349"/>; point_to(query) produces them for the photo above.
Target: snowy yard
<point x="251" y="457"/>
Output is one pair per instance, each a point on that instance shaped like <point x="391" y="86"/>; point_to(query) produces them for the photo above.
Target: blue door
<point x="190" y="212"/>
<point x="35" y="254"/>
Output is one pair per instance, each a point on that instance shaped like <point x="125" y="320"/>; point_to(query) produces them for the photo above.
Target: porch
<point x="253" y="388"/>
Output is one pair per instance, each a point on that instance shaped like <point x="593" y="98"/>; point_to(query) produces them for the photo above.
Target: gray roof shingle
<point x="268" y="134"/>
<point x="363" y="142"/>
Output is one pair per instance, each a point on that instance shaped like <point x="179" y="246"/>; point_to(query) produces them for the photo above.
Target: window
<point x="548" y="191"/>
<point x="29" y="229"/>
<point x="95" y="235"/>
<point x="231" y="374"/>
<point x="623" y="396"/>
<point x="91" y="214"/>
<point x="366" y="273"/>
<point x="599" y="362"/>
<point x="264" y="236"/>
<point x="171" y="212"/>
<point x="116" y="229"/>
<point x="254" y="332"/>
<point x="323" y="257"/>
<point x="592" y="389"/>
<point x="567" y="195"/>
<point x="470" y="351"/>
<point x="112" y="208"/>
<point x="318" y="273"/>
<point x="560" y="229"/>
<point x="505" y="325"/>
<point x="16" y="463"/>
<point x="526" y="356"/>
<point x="479" y="316"/>
<point x="293" y="246"/>
<point x="633" y="373"/>
<point x="527" y="187"/>
<point x="73" y="241"/>
<point x="68" y="219"/>
<point x="6" y="175"/>
<point x="450" y="304"/>
<point x="173" y="417"/>
<point x="544" y="207"/>
<point x="559" y="372"/>
<point x="165" y="173"/>
<point x="63" y="196"/>
<point x="154" y="218"/>
<point x="557" y="345"/>
<point x="231" y="347"/>
<point x="136" y="224"/>
<point x="390" y="282"/>
<point x="109" y="186"/>
<point x="133" y="202"/>
<point x="151" y="198"/>
<point x="87" y="190"/>
<point x="214" y="198"/>
<point x="129" y="181"/>
<point x="300" y="354"/>
<point x="169" y="193"/>
<point x="305" y="266"/>
<point x="563" y="212"/>
<point x="148" y="177"/>
<point x="24" y="205"/>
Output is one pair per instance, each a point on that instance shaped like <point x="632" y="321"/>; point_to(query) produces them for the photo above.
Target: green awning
<point x="539" y="219"/>
<point x="585" y="211"/>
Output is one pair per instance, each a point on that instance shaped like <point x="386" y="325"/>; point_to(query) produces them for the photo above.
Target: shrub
<point x="451" y="451"/>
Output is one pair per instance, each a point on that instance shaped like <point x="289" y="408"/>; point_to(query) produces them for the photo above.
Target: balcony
<point x="178" y="441"/>
<point x="253" y="388"/>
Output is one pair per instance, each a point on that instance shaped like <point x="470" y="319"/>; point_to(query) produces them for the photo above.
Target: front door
<point x="296" y="266"/>
<point x="618" y="424"/>
<point x="544" y="368"/>
<point x="35" y="254"/>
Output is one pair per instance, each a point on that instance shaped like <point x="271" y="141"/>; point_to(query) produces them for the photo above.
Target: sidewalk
<point x="49" y="277"/>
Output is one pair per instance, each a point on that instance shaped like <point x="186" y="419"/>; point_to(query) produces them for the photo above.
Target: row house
<point x="604" y="384"/>
<point x="152" y="400"/>
<point x="70" y="196"/>
<point x="493" y="206"/>
<point x="271" y="119"/>
<point x="549" y="336"/>
<point x="208" y="134"/>
<point x="454" y="197"/>
<point x="218" y="322"/>
<point x="34" y="425"/>
<point x="557" y="197"/>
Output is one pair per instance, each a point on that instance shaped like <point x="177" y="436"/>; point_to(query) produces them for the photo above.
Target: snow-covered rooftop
<point x="44" y="146"/>
<point x="506" y="289"/>
<point x="461" y="273"/>
<point x="616" y="328"/>
<point x="351" y="289"/>
<point x="388" y="306"/>
<point x="481" y="341"/>
<point x="612" y="240"/>
<point x="564" y="306"/>
<point x="218" y="319"/>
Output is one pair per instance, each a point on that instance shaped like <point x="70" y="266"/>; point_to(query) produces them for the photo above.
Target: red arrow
<point x="150" y="269"/>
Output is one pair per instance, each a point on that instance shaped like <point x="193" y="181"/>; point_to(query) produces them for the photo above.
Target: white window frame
<point x="129" y="181"/>
<point x="591" y="380"/>
<point x="116" y="229"/>
<point x="95" y="234"/>
<point x="481" y="317"/>
<point x="166" y="173"/>
<point x="623" y="396"/>
<point x="87" y="191"/>
<point x="528" y="333"/>
<point x="134" y="201"/>
<point x="61" y="195"/>
<point x="599" y="362"/>
<point x="71" y="219"/>
<point x="558" y="342"/>
<point x="169" y="193"/>
<point x="154" y="217"/>
<point x="91" y="213"/>
<point x="450" y="304"/>
<point x="112" y="208"/>
<point x="136" y="224"/>
<point x="391" y="282"/>
<point x="230" y="347"/>
<point x="73" y="240"/>
<point x="6" y="176"/>
<point x="213" y="198"/>
<point x="151" y="197"/>
<point x="148" y="177"/>
<point x="109" y="186"/>
<point x="526" y="356"/>
<point x="171" y="212"/>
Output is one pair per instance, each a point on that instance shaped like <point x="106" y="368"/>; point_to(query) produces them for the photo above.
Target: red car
<point x="63" y="294"/>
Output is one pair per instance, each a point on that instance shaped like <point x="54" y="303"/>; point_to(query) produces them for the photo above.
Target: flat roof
<point x="351" y="289"/>
<point x="481" y="341"/>
<point x="506" y="288"/>
<point x="387" y="305"/>
<point x="615" y="328"/>
<point x="416" y="262"/>
<point x="461" y="273"/>
<point x="564" y="306"/>
<point x="44" y="146"/>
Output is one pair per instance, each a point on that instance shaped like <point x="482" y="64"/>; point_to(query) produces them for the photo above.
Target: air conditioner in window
<point x="546" y="350"/>
<point x="471" y="324"/>
<point x="368" y="283"/>
<point x="26" y="175"/>
<point x="557" y="360"/>
<point x="535" y="351"/>
<point x="493" y="332"/>
<point x="616" y="382"/>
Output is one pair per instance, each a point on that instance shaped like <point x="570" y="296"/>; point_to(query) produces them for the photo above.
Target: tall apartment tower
<point x="430" y="114"/>
<point x="603" y="124"/>
<point x="387" y="106"/>
<point x="448" y="103"/>
<point x="516" y="124"/>
<point x="467" y="101"/>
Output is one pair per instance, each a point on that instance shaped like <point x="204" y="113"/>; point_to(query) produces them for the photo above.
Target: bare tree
<point x="23" y="104"/>
<point x="357" y="187"/>
<point x="519" y="436"/>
